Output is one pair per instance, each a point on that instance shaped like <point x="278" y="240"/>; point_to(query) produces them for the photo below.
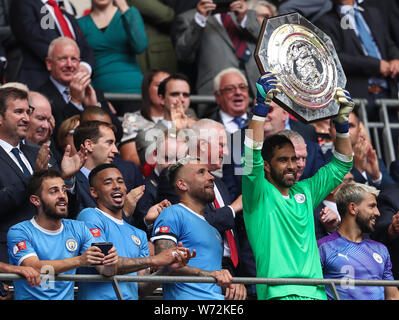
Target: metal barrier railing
<point x="332" y="283"/>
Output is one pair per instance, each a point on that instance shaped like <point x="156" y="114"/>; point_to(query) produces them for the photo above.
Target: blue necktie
<point x="240" y="122"/>
<point x="365" y="36"/>
<point x="15" y="151"/>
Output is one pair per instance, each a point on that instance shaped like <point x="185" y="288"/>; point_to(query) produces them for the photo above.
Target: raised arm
<point x="342" y="143"/>
<point x="267" y="87"/>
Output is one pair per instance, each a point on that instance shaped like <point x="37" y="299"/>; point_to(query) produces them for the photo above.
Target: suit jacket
<point x="148" y="199"/>
<point x="314" y="161"/>
<point x="388" y="205"/>
<point x="310" y="9"/>
<point x="27" y="19"/>
<point x="357" y="66"/>
<point x="14" y="202"/>
<point x="212" y="49"/>
<point x="307" y="131"/>
<point x="386" y="181"/>
<point x="394" y="170"/>
<point x="386" y="178"/>
<point x="217" y="117"/>
<point x="62" y="110"/>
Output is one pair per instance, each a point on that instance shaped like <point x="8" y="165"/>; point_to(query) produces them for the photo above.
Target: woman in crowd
<point x="116" y="33"/>
<point x="150" y="113"/>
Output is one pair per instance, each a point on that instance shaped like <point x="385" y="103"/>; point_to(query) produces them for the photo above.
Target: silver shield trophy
<point x="305" y="60"/>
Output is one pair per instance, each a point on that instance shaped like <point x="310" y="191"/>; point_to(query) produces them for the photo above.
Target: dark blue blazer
<point x="314" y="161"/>
<point x="386" y="182"/>
<point x="388" y="205"/>
<point x="26" y="20"/>
<point x="357" y="66"/>
<point x="14" y="202"/>
<point x="148" y="199"/>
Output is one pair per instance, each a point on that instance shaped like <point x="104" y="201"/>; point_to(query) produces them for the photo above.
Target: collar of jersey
<point x="120" y="222"/>
<point x="198" y="215"/>
<point x="49" y="232"/>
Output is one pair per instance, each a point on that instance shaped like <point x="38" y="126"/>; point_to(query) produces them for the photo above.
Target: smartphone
<point x="104" y="246"/>
<point x="222" y="6"/>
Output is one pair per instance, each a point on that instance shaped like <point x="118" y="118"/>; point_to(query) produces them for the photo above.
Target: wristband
<point x="261" y="109"/>
<point x="341" y="127"/>
<point x="258" y="118"/>
<point x="342" y="134"/>
<point x="70" y="182"/>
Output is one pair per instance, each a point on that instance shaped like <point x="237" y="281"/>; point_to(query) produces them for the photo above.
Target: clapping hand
<point x="71" y="164"/>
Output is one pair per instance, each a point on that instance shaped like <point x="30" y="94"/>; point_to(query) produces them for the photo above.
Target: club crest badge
<point x="300" y="197"/>
<point x="136" y="240"/>
<point x="71" y="245"/>
<point x="377" y="257"/>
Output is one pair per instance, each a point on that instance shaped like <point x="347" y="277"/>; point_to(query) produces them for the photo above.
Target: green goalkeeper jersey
<point x="281" y="230"/>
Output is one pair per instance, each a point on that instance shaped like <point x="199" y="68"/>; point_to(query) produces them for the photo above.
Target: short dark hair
<point x="174" y="76"/>
<point x="99" y="168"/>
<point x="11" y="93"/>
<point x="89" y="130"/>
<point x="36" y="180"/>
<point x="175" y="168"/>
<point x="273" y="142"/>
<point x="90" y="110"/>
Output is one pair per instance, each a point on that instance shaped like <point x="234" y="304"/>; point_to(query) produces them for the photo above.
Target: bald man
<point x="41" y="122"/>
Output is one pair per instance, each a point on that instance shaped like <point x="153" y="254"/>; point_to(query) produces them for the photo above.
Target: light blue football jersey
<point x="28" y="239"/>
<point x="180" y="224"/>
<point x="129" y="242"/>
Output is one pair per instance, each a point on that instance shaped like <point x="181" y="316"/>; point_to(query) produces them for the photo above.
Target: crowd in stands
<point x="165" y="180"/>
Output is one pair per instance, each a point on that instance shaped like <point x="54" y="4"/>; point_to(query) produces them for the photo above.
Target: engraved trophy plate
<point x="304" y="59"/>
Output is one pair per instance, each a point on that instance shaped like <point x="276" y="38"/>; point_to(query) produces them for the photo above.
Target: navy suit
<point x="386" y="181"/>
<point x="148" y="199"/>
<point x="314" y="161"/>
<point x="357" y="66"/>
<point x="388" y="205"/>
<point x="14" y="202"/>
<point x="28" y="23"/>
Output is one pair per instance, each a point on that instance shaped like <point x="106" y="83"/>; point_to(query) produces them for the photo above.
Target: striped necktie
<point x="240" y="45"/>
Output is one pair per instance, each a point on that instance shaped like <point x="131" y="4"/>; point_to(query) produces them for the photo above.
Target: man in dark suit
<point x="367" y="53"/>
<point x="169" y="148"/>
<point x="232" y="97"/>
<point x="68" y="88"/>
<point x="212" y="41"/>
<point x="18" y="160"/>
<point x="367" y="167"/>
<point x="98" y="139"/>
<point x="34" y="24"/>
<point x="387" y="225"/>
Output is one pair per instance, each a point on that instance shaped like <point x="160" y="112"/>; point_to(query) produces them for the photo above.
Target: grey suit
<point x="212" y="49"/>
